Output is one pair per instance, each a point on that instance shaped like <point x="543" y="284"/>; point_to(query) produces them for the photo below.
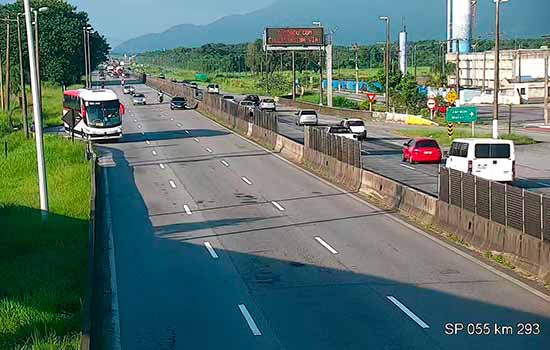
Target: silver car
<point x="307" y="117"/>
<point x="139" y="99"/>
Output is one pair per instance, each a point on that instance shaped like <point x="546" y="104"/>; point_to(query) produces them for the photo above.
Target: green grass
<point x="52" y="109"/>
<point x="247" y="83"/>
<point x="43" y="266"/>
<point x="440" y="134"/>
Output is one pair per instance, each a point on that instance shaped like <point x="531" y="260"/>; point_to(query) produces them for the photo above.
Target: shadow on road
<point x="173" y="294"/>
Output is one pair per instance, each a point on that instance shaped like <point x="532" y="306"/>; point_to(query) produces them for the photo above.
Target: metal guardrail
<point x="514" y="207"/>
<point x="345" y="150"/>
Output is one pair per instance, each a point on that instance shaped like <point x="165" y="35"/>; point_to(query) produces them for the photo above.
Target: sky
<point x="110" y="17"/>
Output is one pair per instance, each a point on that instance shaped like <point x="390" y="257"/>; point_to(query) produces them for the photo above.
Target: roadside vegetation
<point x="440" y="134"/>
<point x="44" y="264"/>
<point x="52" y="110"/>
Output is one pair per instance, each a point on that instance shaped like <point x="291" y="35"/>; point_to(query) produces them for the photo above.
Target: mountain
<point x="355" y="20"/>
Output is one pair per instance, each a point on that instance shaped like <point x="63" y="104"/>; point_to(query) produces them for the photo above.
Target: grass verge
<point x="440" y="134"/>
<point x="52" y="109"/>
<point x="43" y="266"/>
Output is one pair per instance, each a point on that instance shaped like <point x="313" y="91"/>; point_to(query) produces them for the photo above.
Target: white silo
<point x="462" y="25"/>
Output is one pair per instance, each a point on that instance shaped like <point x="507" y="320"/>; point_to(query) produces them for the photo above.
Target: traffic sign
<point x="462" y="115"/>
<point x="371" y="97"/>
<point x="452" y="96"/>
<point x="450" y="129"/>
<point x="432" y="103"/>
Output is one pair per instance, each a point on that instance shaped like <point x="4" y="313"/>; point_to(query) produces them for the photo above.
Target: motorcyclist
<point x="161" y="96"/>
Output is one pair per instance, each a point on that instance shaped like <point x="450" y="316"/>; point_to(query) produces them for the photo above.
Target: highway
<point x="220" y="244"/>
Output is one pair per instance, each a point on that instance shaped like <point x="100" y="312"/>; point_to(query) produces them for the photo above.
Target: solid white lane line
<point x="225" y="163"/>
<point x="408" y="312"/>
<point x="148" y="142"/>
<point x="196" y="139"/>
<point x="211" y="250"/>
<point x="249" y="320"/>
<point x="407" y="166"/>
<point x="154" y="153"/>
<point x="246" y="180"/>
<point x="278" y="206"/>
<point x="172" y="184"/>
<point x="162" y="166"/>
<point x="209" y="150"/>
<point x="187" y="209"/>
<point x="326" y="245"/>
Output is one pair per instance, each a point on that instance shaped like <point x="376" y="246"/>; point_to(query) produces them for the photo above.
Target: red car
<point x="422" y="150"/>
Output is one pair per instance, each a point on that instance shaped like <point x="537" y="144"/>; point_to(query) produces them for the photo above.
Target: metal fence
<point x="343" y="149"/>
<point x="511" y="206"/>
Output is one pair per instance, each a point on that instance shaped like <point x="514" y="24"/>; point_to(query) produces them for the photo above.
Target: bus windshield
<point x="105" y="114"/>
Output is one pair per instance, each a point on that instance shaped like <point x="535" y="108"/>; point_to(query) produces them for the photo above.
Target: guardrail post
<point x="541" y="217"/>
<point x="475" y="195"/>
<point x="522" y="208"/>
<point x="491" y="200"/>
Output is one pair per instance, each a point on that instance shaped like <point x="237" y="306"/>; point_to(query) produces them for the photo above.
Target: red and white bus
<point x="94" y="114"/>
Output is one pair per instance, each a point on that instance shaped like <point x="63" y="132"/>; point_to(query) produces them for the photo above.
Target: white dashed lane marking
<point x="326" y="245"/>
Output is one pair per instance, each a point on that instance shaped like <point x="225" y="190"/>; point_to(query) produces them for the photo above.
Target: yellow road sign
<point x="452" y="97"/>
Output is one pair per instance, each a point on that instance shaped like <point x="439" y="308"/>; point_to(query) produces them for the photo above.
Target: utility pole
<point x="458" y="68"/>
<point x="356" y="48"/>
<point x="387" y="61"/>
<point x="84" y="36"/>
<point x="42" y="183"/>
<point x="321" y="76"/>
<point x="37" y="48"/>
<point x="415" y="64"/>
<point x="294" y="75"/>
<point x="497" y="68"/>
<point x="2" y="100"/>
<point x="89" y="43"/>
<point x="22" y="80"/>
<point x="8" y="76"/>
<point x="328" y="49"/>
<point x="546" y="87"/>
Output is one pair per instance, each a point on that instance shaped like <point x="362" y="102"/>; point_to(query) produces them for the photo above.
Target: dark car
<point x="178" y="102"/>
<point x="253" y="98"/>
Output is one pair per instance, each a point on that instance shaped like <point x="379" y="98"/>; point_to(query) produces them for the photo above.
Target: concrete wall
<point x="524" y="251"/>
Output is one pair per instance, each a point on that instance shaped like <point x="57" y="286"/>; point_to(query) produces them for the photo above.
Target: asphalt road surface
<point x="222" y="245"/>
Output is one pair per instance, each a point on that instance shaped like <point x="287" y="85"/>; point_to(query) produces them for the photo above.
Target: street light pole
<point x="85" y="45"/>
<point x="355" y="48"/>
<point x="8" y="77"/>
<point x="546" y="111"/>
<point x="22" y="79"/>
<point x="497" y="68"/>
<point x="88" y="43"/>
<point x="387" y="61"/>
<point x="42" y="182"/>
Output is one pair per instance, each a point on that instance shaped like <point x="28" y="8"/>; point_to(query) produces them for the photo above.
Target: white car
<point x="357" y="126"/>
<point x="213" y="89"/>
<point x="307" y="117"/>
<point x="491" y="159"/>
<point x="249" y="105"/>
<point x="268" y="104"/>
<point x="139" y="99"/>
<point x="342" y="131"/>
<point x="126" y="89"/>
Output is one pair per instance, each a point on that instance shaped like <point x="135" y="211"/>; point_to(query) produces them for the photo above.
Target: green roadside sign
<point x="462" y="115"/>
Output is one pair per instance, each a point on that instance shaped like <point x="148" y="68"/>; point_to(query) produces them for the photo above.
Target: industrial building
<point x="521" y="75"/>
<point x="522" y="72"/>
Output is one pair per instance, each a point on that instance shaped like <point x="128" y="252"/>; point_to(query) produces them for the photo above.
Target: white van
<point x="491" y="159"/>
<point x="213" y="89"/>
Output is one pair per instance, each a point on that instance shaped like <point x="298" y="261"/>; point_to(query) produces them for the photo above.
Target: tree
<point x="61" y="40"/>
